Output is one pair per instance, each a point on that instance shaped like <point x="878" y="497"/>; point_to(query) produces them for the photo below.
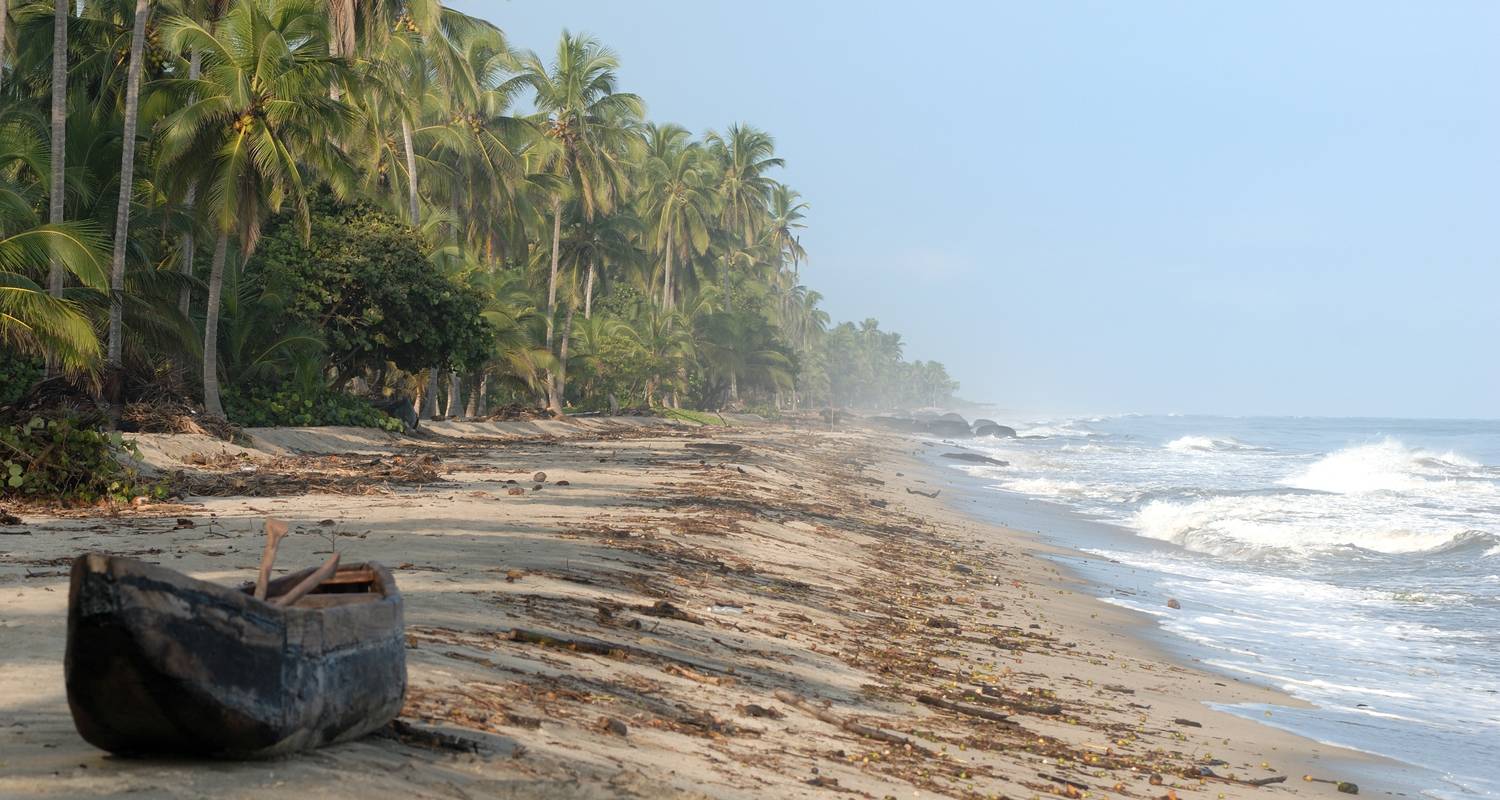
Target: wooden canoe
<point x="160" y="663"/>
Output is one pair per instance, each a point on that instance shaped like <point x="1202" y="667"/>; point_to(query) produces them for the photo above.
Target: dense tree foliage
<point x="312" y="199"/>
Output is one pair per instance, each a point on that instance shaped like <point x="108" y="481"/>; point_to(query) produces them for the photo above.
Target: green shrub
<point x="266" y="407"/>
<point x="17" y="375"/>
<point x="65" y="458"/>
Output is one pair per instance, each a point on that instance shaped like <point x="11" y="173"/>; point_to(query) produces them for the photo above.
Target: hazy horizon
<point x="1279" y="209"/>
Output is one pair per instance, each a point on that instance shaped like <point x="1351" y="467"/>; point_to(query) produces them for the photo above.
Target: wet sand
<point x="660" y="620"/>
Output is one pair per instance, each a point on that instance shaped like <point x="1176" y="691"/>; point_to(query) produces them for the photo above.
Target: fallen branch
<point x="580" y="645"/>
<point x="1205" y="772"/>
<point x="993" y="697"/>
<point x="934" y="493"/>
<point x="972" y="711"/>
<point x="856" y="728"/>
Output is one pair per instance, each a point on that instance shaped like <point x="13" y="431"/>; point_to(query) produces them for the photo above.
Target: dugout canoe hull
<point x="159" y="663"/>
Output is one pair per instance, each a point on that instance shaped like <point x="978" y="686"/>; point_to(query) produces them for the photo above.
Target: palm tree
<point x="31" y="318"/>
<point x="678" y="204"/>
<point x="743" y="155"/>
<point x="589" y="124"/>
<point x="127" y="184"/>
<point x="4" y="33"/>
<point x="260" y="111"/>
<point x="786" y="214"/>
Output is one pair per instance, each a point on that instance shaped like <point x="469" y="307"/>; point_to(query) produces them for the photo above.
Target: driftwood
<point x="971" y="711"/>
<point x="1205" y="772"/>
<point x="856" y="728"/>
<point x="598" y="648"/>
<point x="934" y="493"/>
<point x="275" y="530"/>
<point x="993" y="696"/>
<point x="309" y="583"/>
<point x="715" y="447"/>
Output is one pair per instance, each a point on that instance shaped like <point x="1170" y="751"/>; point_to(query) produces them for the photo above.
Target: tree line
<point x="277" y="207"/>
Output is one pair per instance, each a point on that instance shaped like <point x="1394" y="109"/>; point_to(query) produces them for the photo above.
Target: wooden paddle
<point x="275" y="530"/>
<point x="309" y="583"/>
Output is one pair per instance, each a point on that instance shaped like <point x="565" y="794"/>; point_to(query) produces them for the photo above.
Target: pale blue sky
<point x="1282" y="208"/>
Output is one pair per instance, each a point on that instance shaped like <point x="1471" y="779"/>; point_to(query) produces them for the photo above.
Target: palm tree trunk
<point x="211" y="402"/>
<point x="429" y="398"/>
<point x="728" y="299"/>
<point x="552" y="279"/>
<point x="666" y="281"/>
<point x="588" y="285"/>
<point x="186" y="249"/>
<point x="341" y="43"/>
<point x="127" y="184"/>
<point x="4" y="19"/>
<point x="553" y="401"/>
<point x="562" y="362"/>
<point x="455" y="396"/>
<point x="59" y="129"/>
<point x="411" y="170"/>
<point x="476" y="396"/>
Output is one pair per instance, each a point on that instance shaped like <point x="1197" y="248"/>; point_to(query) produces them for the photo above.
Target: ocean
<point x="1353" y="563"/>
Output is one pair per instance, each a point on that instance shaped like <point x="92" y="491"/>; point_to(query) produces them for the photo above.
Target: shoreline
<point x="752" y="598"/>
<point x="1390" y="775"/>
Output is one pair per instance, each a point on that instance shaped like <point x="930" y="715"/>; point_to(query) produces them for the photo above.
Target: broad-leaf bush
<point x="67" y="458"/>
<point x="288" y="406"/>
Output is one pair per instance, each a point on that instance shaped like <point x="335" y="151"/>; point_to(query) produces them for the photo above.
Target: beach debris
<point x="513" y="575"/>
<point x="594" y="647"/>
<point x="971" y="711"/>
<point x="407" y="733"/>
<point x="963" y="569"/>
<point x="7" y="518"/>
<point x="823" y="781"/>
<point x="1205" y="772"/>
<point x="290" y="475"/>
<point x="932" y="494"/>
<point x="1188" y="723"/>
<point x="1172" y="603"/>
<point x="540" y="477"/>
<point x="612" y="726"/>
<point x="753" y="710"/>
<point x="941" y="622"/>
<point x="879" y="503"/>
<point x="309" y="583"/>
<point x="1115" y="687"/>
<point x="662" y="608"/>
<point x="850" y="725"/>
<point x="976" y="458"/>
<point x="724" y="448"/>
<point x="515" y="491"/>
<point x="1343" y="786"/>
<point x="561" y="483"/>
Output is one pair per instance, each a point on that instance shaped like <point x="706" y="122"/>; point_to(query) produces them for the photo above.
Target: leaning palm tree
<point x="127" y="183"/>
<point x="590" y="125"/>
<point x="260" y="113"/>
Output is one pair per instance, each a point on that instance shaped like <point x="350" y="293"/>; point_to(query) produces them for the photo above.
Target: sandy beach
<point x="655" y="618"/>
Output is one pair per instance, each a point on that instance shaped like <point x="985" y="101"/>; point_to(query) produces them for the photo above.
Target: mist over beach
<point x="586" y="399"/>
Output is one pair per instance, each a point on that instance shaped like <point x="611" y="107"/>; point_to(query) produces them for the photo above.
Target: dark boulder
<point x="948" y="427"/>
<point x="986" y="427"/>
<point x="952" y="417"/>
<point x="976" y="458"/>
